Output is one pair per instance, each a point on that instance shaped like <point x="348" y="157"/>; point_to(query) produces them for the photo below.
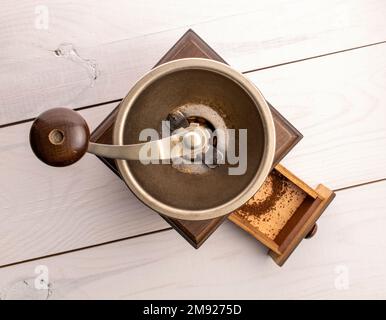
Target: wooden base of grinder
<point x="287" y="136"/>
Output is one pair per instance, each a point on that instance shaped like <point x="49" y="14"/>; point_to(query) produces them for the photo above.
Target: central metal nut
<point x="200" y="122"/>
<point x="193" y="140"/>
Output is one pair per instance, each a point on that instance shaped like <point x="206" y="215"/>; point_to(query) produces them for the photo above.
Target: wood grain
<point x="342" y="117"/>
<point x="337" y="102"/>
<point x="119" y="44"/>
<point x="59" y="137"/>
<point x="95" y="22"/>
<point x="286" y="220"/>
<point x="344" y="260"/>
<point x="287" y="136"/>
<point x="45" y="210"/>
<point x="304" y="227"/>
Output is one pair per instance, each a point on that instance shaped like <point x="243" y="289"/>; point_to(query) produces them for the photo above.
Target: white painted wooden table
<point x="321" y="63"/>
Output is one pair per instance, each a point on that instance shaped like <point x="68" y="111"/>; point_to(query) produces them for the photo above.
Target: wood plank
<point x="335" y="264"/>
<point x="46" y="210"/>
<point x="297" y="30"/>
<point x="94" y="22"/>
<point x="337" y="102"/>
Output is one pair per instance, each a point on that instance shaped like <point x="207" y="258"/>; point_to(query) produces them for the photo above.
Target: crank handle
<point x="60" y="137"/>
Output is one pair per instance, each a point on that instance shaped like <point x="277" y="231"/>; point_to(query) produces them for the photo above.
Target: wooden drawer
<point x="283" y="212"/>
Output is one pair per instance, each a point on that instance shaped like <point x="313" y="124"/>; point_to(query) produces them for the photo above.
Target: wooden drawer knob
<point x="312" y="232"/>
<point x="59" y="137"/>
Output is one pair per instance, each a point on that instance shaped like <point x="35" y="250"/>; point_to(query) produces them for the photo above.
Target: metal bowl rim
<point x="268" y="127"/>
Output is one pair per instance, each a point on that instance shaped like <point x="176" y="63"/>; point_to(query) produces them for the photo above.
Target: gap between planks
<point x="231" y="264"/>
<point x="302" y="103"/>
<point x="311" y="29"/>
<point x="147" y="233"/>
<point x="314" y="57"/>
<point x="87" y="247"/>
<point x="244" y="72"/>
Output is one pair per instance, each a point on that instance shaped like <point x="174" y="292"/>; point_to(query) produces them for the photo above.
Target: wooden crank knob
<point x="59" y="137"/>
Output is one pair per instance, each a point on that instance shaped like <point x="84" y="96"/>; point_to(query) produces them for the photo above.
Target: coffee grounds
<point x="277" y="190"/>
<point x="272" y="206"/>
